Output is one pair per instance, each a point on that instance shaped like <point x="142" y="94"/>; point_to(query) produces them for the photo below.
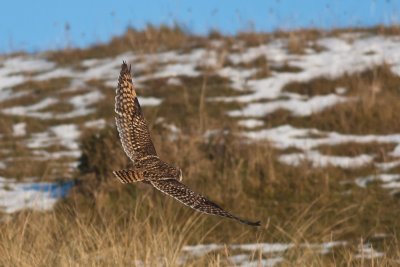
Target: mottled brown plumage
<point x="148" y="167"/>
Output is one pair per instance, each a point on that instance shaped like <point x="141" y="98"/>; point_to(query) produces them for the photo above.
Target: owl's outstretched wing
<point x="131" y="125"/>
<point x="185" y="195"/>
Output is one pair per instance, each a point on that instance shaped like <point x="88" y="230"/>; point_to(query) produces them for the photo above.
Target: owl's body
<point x="148" y="167"/>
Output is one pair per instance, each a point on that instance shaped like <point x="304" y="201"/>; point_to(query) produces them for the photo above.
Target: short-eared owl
<point x="148" y="167"/>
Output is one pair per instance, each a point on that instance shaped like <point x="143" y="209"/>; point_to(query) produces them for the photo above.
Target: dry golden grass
<point x="354" y="149"/>
<point x="296" y="204"/>
<point x="146" y="234"/>
<point x="91" y="238"/>
<point x="151" y="39"/>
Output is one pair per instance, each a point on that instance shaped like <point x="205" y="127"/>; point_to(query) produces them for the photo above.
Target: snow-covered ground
<point x="272" y="253"/>
<point x="15" y="195"/>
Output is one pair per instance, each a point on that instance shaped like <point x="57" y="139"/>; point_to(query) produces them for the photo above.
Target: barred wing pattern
<point x="131" y="125"/>
<point x="137" y="144"/>
<point x="185" y="195"/>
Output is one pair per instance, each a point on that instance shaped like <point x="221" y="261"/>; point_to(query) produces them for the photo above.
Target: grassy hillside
<point x="297" y="129"/>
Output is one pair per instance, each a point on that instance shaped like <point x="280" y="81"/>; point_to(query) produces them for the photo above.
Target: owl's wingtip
<point x="257" y="223"/>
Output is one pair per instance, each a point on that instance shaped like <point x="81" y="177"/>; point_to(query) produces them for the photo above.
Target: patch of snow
<point x="39" y="140"/>
<point x="388" y="180"/>
<point x="380" y="235"/>
<point x="113" y="83"/>
<point x="197" y="56"/>
<point x="7" y="94"/>
<point x="99" y="124"/>
<point x="177" y="69"/>
<point x="325" y="248"/>
<point x="75" y="85"/>
<point x="264" y="247"/>
<point x="396" y="151"/>
<point x="385" y="166"/>
<point x="319" y="161"/>
<point x="10" y="72"/>
<point x="25" y="64"/>
<point x="201" y="249"/>
<point x="10" y="81"/>
<point x="174" y="131"/>
<point x="149" y="101"/>
<point x="275" y="51"/>
<point x="104" y="69"/>
<point x="366" y="251"/>
<point x="215" y="132"/>
<point x="172" y="128"/>
<point x="350" y="36"/>
<point x="251" y="123"/>
<point x="217" y="43"/>
<point x="238" y="77"/>
<point x="80" y="103"/>
<point x="240" y="260"/>
<point x="55" y="73"/>
<point x="209" y="59"/>
<point x="297" y="107"/>
<point x="396" y="69"/>
<point x="45" y="155"/>
<point x="244" y="259"/>
<point x="340" y="90"/>
<point x="65" y="135"/>
<point x="334" y="44"/>
<point x="87" y="99"/>
<point x="19" y="129"/>
<point x="174" y="81"/>
<point x="15" y="196"/>
<point x="340" y="57"/>
<point x="286" y="136"/>
<point x="31" y="110"/>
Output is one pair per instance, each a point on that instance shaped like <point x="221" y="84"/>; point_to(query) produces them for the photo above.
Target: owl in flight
<point x="148" y="167"/>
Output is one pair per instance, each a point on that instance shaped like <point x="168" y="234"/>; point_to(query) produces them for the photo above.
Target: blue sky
<point x="40" y="25"/>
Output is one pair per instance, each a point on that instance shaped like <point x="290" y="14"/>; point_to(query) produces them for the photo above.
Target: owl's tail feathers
<point x="128" y="176"/>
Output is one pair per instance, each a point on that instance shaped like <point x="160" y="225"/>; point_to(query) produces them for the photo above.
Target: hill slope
<point x="299" y="129"/>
